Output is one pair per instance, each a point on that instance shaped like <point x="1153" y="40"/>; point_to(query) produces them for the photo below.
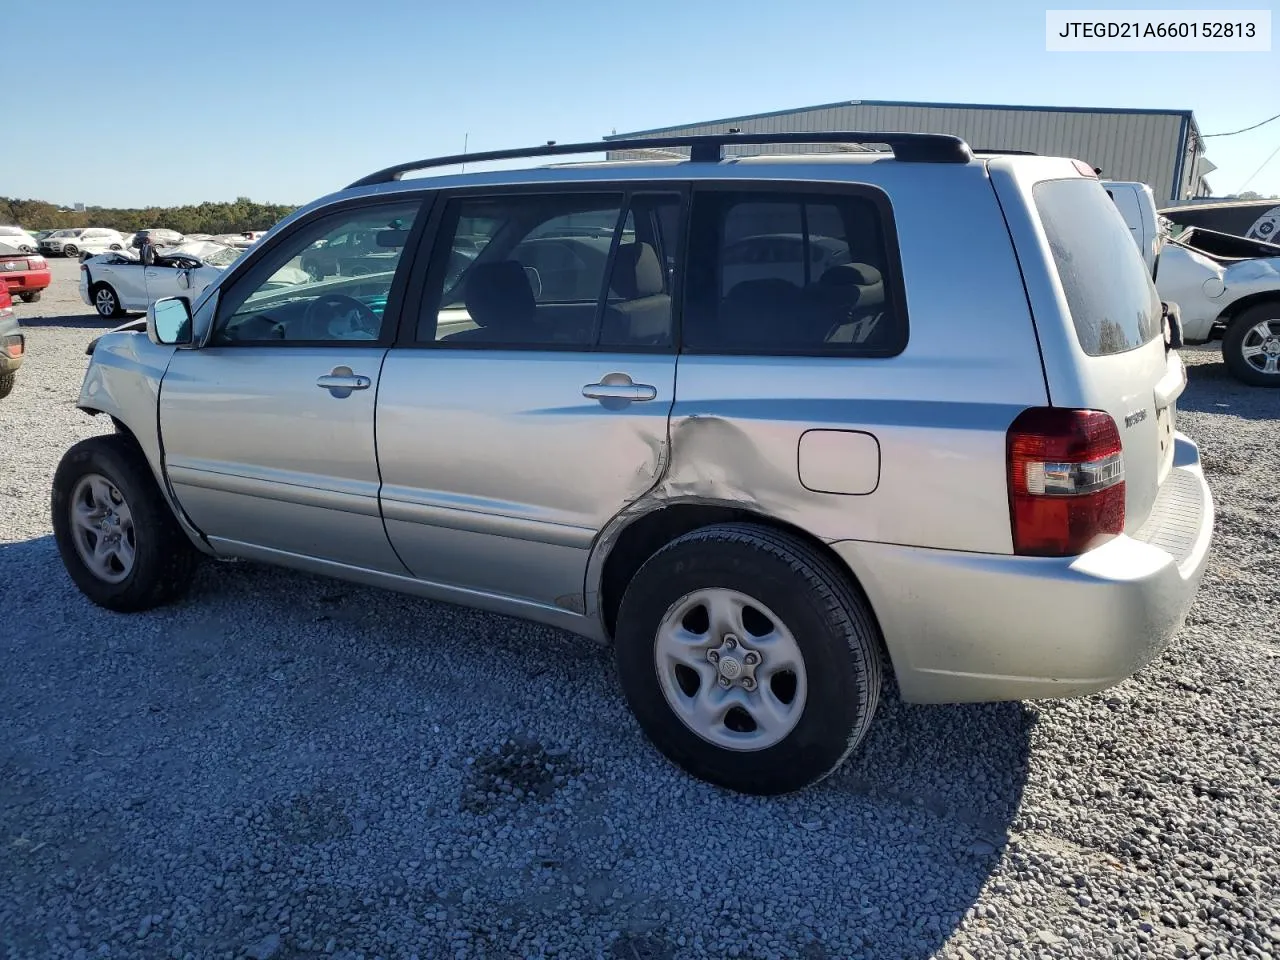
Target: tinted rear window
<point x="1113" y="302"/>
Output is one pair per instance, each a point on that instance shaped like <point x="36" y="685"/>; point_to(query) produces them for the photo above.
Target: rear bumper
<point x="979" y="627"/>
<point x="27" y="281"/>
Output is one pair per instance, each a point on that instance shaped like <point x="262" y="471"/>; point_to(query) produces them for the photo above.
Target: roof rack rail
<point x="706" y="148"/>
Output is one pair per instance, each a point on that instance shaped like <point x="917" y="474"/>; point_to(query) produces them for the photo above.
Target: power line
<point x="1259" y="170"/>
<point x="1232" y="133"/>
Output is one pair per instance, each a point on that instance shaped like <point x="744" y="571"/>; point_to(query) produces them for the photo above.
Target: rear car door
<point x="521" y="413"/>
<point x="126" y="278"/>
<point x="268" y="427"/>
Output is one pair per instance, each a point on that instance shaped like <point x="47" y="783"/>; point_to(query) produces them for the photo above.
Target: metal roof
<point x="917" y="104"/>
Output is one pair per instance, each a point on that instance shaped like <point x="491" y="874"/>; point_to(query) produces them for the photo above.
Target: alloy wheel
<point x="102" y="528"/>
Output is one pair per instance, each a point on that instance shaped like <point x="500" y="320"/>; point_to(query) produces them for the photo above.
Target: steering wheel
<point x="335" y="316"/>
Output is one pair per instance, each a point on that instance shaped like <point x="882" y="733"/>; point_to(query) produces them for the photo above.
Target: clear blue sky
<point x="284" y="101"/>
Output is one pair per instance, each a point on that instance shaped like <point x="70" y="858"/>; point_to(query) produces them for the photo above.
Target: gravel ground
<point x="288" y="767"/>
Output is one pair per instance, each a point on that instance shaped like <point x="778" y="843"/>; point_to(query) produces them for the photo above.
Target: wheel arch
<point x="153" y="453"/>
<point x="1246" y="302"/>
<point x="640" y="532"/>
<point x="123" y="383"/>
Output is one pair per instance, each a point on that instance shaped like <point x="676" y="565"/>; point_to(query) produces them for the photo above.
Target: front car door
<point x="162" y="281"/>
<point x="521" y="413"/>
<point x="268" y="427"/>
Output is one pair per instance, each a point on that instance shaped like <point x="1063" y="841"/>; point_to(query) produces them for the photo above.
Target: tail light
<point x="36" y="263"/>
<point x="1066" y="481"/>
<point x="13" y="345"/>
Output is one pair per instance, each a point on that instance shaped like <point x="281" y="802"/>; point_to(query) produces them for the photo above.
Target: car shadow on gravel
<point x="277" y="714"/>
<point x="82" y="321"/>
<point x="1211" y="388"/>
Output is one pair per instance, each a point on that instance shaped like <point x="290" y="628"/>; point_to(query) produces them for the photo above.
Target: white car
<point x="69" y="243"/>
<point x="118" y="283"/>
<point x="1229" y="287"/>
<point x="19" y="239"/>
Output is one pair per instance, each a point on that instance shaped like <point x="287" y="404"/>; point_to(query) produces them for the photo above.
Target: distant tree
<point x="1249" y="195"/>
<point x="235" y="217"/>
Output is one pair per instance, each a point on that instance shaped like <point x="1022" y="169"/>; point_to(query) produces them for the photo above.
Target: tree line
<point x="234" y="217"/>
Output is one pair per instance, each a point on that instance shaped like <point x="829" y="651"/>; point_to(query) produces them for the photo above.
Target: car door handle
<point x="619" y="390"/>
<point x="341" y="381"/>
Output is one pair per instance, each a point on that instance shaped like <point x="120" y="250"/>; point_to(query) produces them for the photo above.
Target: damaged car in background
<point x="1227" y="287"/>
<point x="118" y="283"/>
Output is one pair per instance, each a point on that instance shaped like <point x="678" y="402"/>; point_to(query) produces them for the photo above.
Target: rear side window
<point x="793" y="271"/>
<point x="1113" y="302"/>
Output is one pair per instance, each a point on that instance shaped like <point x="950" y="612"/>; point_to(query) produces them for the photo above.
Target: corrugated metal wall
<point x="1127" y="146"/>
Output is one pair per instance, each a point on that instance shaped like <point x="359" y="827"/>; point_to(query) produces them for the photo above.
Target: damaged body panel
<point x="1209" y="275"/>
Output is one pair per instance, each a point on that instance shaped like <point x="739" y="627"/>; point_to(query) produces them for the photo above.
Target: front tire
<point x="32" y="297"/>
<point x="106" y="301"/>
<point x="116" y="534"/>
<point x="1251" y="346"/>
<point x="7" y="381"/>
<point x="748" y="659"/>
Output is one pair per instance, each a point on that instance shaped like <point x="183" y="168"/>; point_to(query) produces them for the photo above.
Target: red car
<point x="12" y="343"/>
<point x="24" y="275"/>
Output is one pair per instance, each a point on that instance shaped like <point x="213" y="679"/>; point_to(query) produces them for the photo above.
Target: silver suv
<point x="768" y="426"/>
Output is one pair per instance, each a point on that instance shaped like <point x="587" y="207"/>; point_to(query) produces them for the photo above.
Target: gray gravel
<point x="288" y="767"/>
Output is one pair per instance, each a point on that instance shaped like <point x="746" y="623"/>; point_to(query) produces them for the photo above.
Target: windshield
<point x="224" y="257"/>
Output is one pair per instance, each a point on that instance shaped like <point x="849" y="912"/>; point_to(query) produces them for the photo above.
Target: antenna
<point x="465" y="137"/>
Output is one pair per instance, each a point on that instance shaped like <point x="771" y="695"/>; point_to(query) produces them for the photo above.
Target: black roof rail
<point x="706" y="148"/>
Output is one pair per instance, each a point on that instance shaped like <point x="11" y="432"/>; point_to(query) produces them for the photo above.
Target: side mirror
<point x="169" y="322"/>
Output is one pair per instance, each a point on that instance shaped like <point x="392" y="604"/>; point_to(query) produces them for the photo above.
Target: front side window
<point x="290" y="295"/>
<point x="792" y="272"/>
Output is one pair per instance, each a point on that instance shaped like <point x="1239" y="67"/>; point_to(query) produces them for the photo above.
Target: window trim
<point x="391" y="314"/>
<point x="806" y="191"/>
<point x="425" y="280"/>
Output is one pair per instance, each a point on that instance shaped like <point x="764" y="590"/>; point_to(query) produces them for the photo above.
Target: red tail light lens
<point x="36" y="263"/>
<point x="1066" y="481"/>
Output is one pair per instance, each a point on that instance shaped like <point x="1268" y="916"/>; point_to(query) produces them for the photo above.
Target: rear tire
<point x="116" y="534"/>
<point x="70" y="250"/>
<point x="106" y="301"/>
<point x="1251" y="345"/>
<point x="815" y="647"/>
<point x="32" y="297"/>
<point x="7" y="381"/>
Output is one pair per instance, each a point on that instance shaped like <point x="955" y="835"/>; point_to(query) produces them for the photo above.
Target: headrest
<point x="858" y="274"/>
<point x="499" y="295"/>
<point x="637" y="271"/>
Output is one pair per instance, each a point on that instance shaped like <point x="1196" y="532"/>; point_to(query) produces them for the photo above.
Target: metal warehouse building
<point x="1162" y="148"/>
